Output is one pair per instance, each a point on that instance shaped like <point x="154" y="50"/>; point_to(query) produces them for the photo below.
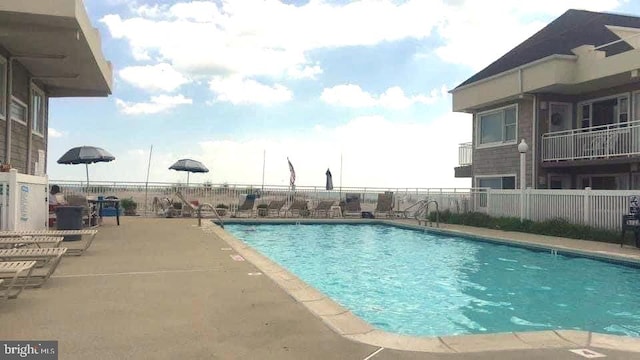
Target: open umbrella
<point x="86" y="155"/>
<point x="190" y="166"/>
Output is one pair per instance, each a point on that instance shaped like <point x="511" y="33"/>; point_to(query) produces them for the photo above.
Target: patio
<point x="164" y="289"/>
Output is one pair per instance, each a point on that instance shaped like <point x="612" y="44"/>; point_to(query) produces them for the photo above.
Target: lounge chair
<point x="246" y="207"/>
<point x="323" y="207"/>
<point x="37" y="241"/>
<point x="89" y="233"/>
<point x="275" y="207"/>
<point x="188" y="209"/>
<point x="47" y="260"/>
<point x="384" y="205"/>
<point x="164" y="207"/>
<point x="352" y="205"/>
<point x="297" y="208"/>
<point x="15" y="274"/>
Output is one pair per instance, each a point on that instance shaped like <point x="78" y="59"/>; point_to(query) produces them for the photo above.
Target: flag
<point x="329" y="180"/>
<point x="292" y="177"/>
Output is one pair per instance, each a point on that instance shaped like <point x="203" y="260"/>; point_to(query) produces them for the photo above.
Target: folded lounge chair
<point x="15" y="274"/>
<point x="47" y="258"/>
<point x="275" y="207"/>
<point x="246" y="207"/>
<point x="298" y="208"/>
<point x="352" y="205"/>
<point x="384" y="205"/>
<point x="323" y="208"/>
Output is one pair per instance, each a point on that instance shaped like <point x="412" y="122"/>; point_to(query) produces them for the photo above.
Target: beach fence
<point x="232" y="195"/>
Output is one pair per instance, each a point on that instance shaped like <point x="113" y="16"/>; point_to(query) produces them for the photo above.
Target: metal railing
<point x="232" y="195"/>
<point x="597" y="142"/>
<point x="465" y="154"/>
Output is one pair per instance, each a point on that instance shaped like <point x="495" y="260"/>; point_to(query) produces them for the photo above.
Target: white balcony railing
<point x="465" y="154"/>
<point x="598" y="142"/>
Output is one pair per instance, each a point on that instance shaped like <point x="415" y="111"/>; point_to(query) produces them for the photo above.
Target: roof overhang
<point x="588" y="70"/>
<point x="55" y="41"/>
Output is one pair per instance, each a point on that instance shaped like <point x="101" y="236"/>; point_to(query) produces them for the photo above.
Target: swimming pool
<point x="424" y="284"/>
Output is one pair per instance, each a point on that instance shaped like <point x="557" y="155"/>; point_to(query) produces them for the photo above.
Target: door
<point x="559" y="181"/>
<point x="559" y="116"/>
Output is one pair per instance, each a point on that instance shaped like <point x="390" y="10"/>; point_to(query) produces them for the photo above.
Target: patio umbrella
<point x="329" y="180"/>
<point x="190" y="166"/>
<point x="86" y="155"/>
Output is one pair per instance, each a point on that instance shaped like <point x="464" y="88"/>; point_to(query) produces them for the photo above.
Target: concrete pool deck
<point x="166" y="289"/>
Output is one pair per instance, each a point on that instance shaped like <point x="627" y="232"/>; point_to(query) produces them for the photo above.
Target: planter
<point x="221" y="211"/>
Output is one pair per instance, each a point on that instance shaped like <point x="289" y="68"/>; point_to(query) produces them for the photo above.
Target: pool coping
<point x="352" y="327"/>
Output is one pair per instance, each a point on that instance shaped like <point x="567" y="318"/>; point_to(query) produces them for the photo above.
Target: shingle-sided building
<point x="47" y="49"/>
<point x="572" y="92"/>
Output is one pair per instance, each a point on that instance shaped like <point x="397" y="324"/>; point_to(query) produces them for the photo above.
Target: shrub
<point x="129" y="206"/>
<point x="553" y="227"/>
<point x="222" y="206"/>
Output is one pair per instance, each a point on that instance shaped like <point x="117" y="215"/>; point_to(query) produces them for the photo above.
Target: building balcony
<point x="618" y="140"/>
<point x="465" y="157"/>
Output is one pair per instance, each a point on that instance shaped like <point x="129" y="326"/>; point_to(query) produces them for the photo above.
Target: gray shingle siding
<point x="505" y="159"/>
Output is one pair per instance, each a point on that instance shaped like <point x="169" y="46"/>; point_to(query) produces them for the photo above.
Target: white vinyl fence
<point x="596" y="208"/>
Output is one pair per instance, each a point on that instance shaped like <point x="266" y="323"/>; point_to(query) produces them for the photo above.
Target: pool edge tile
<point x="543" y="339"/>
<point x="614" y="342"/>
<point x="485" y="342"/>
<point x="347" y="323"/>
<point x="580" y="338"/>
<point x="401" y="342"/>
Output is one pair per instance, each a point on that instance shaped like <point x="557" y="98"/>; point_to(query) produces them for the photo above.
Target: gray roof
<point x="572" y="29"/>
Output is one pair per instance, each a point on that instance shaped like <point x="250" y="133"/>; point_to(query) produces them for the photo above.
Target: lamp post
<point x="522" y="149"/>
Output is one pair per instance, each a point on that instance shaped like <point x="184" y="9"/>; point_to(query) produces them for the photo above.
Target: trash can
<point x="69" y="218"/>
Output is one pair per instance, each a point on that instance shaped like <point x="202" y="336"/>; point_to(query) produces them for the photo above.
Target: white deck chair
<point x="15" y="274"/>
<point x="88" y="235"/>
<point x="48" y="260"/>
<point x="37" y="241"/>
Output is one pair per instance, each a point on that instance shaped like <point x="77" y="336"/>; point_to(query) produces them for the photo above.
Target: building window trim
<point x="36" y="89"/>
<point x="635" y="106"/>
<point x="478" y="117"/>
<point x="478" y="177"/>
<point x="26" y="108"/>
<point x="589" y="102"/>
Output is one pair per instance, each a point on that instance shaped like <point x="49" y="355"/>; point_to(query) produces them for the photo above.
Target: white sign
<point x="24" y="203"/>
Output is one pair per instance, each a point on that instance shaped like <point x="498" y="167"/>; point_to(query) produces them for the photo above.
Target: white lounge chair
<point x="37" y="241"/>
<point x="15" y="274"/>
<point x="89" y="233"/>
<point x="47" y="259"/>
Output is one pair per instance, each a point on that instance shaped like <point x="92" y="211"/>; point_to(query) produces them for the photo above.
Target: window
<point x="605" y="111"/>
<point x="37" y="111"/>
<point x="3" y="87"/>
<point x="18" y="111"/>
<point x="604" y="182"/>
<point x="498" y="126"/>
<point x="503" y="182"/>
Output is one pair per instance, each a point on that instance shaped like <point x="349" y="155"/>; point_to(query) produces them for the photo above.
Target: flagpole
<point x="264" y="158"/>
<point x="146" y="184"/>
<point x="341" y="175"/>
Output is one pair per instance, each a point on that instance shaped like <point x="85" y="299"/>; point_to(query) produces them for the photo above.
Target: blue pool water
<point x="418" y="283"/>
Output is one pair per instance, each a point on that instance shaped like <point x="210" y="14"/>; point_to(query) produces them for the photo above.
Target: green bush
<point x="262" y="206"/>
<point x="553" y="227"/>
<point x="222" y="206"/>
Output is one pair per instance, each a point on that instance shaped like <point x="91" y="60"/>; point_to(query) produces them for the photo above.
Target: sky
<point x="357" y="87"/>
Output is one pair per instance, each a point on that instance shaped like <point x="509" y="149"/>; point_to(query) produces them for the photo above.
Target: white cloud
<point x="156" y="104"/>
<point x="53" y="133"/>
<point x="350" y="95"/>
<point x="256" y="37"/>
<point x="237" y="90"/>
<point x="473" y="37"/>
<point x="153" y="77"/>
<point x="306" y="72"/>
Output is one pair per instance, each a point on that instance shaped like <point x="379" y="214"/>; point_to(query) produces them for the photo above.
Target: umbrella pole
<point x="188" y="173"/>
<point x="87" y="168"/>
